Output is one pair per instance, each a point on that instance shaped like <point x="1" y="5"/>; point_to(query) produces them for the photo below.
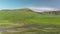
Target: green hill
<point x="11" y="20"/>
<point x="26" y="15"/>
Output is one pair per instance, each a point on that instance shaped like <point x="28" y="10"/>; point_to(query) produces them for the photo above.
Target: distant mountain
<point x="45" y="10"/>
<point x="42" y="9"/>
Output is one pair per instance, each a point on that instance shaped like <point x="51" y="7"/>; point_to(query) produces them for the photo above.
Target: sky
<point x="12" y="4"/>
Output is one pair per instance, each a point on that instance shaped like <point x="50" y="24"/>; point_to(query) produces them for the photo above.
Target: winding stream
<point x="4" y="29"/>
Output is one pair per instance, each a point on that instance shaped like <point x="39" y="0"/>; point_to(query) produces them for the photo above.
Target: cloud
<point x="40" y="9"/>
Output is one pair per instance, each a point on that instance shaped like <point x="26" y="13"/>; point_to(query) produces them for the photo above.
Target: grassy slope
<point x="27" y="16"/>
<point x="11" y="17"/>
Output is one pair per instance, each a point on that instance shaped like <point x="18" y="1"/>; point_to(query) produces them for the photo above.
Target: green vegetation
<point x="11" y="18"/>
<point x="28" y="16"/>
